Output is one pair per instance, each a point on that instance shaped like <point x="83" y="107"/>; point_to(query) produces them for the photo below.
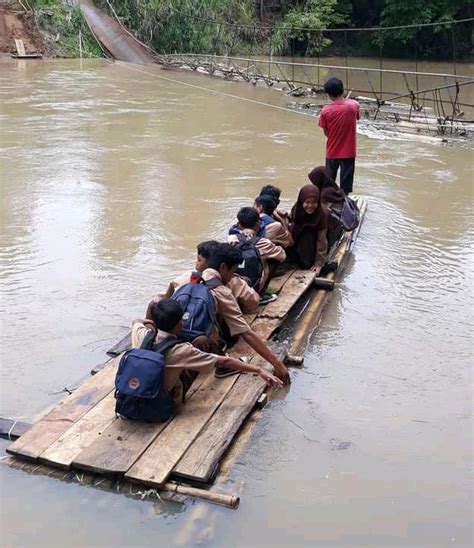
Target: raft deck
<point x="82" y="432"/>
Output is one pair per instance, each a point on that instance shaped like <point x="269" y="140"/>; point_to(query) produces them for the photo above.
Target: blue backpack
<point x="199" y="309"/>
<point x="139" y="383"/>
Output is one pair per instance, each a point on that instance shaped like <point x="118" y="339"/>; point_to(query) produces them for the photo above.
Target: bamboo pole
<point x="169" y="489"/>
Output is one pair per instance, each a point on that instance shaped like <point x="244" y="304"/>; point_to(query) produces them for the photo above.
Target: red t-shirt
<point x="339" y="119"/>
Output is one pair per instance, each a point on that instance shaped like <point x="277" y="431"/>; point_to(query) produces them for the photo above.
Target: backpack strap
<point x="166" y="344"/>
<point x="213" y="283"/>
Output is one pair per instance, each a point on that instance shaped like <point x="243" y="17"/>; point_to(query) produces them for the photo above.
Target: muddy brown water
<point x="109" y="178"/>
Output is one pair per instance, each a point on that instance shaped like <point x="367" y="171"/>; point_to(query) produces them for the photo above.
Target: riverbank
<point x="53" y="30"/>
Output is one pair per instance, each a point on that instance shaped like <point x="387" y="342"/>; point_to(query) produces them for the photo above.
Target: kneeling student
<point x="223" y="262"/>
<point x="248" y="226"/>
<point x="274" y="230"/>
<point x="166" y="322"/>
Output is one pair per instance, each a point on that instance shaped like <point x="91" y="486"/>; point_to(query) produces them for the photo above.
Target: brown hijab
<point x="305" y="228"/>
<point x="330" y="192"/>
<point x="300" y="219"/>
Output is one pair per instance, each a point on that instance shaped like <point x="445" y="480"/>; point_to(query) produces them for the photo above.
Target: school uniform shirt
<point x="179" y="358"/>
<point x="339" y="119"/>
<point x="227" y="308"/>
<point x="247" y="298"/>
<point x="278" y="234"/>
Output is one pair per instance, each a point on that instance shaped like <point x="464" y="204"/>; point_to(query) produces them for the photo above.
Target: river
<point x="109" y="179"/>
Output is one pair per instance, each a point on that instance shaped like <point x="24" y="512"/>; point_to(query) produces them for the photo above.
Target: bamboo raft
<point x="82" y="434"/>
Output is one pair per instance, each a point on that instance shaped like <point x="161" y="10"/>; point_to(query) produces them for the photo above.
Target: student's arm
<point x="322" y="122"/>
<point x="268" y="250"/>
<point x="278" y="234"/>
<point x="229" y="310"/>
<point x="259" y="345"/>
<point x="232" y="363"/>
<point x="140" y="329"/>
<point x="321" y="251"/>
<point x="247" y="298"/>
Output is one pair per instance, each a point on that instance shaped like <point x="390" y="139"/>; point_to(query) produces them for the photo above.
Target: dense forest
<point x="294" y="27"/>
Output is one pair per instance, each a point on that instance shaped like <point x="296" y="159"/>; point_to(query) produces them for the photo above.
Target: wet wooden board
<point x="201" y="460"/>
<point x="121" y="346"/>
<point x="82" y="434"/>
<point x="158" y="461"/>
<point x="46" y="431"/>
<point x="296" y="285"/>
<point x="11" y="429"/>
<point x="122" y="443"/>
<point x="119" y="447"/>
<point x="276" y="284"/>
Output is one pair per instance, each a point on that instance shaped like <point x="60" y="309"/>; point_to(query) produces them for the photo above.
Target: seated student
<point x="274" y="230"/>
<point x="247" y="298"/>
<point x="223" y="262"/>
<point x="275" y="193"/>
<point x="166" y="316"/>
<point x="309" y="224"/>
<point x="332" y="197"/>
<point x="248" y="226"/>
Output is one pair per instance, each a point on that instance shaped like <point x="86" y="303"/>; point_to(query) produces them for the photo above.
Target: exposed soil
<point x="16" y="24"/>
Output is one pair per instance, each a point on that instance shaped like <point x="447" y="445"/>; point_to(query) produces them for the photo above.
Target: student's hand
<point x="281" y="372"/>
<point x="270" y="379"/>
<point x="316" y="269"/>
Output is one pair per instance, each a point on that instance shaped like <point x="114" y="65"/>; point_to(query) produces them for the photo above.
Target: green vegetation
<point x="65" y="24"/>
<point x="283" y="27"/>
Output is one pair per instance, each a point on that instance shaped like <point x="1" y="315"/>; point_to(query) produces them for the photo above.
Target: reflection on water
<point x="109" y="179"/>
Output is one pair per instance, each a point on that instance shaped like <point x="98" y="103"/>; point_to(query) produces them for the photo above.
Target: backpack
<point x="199" y="309"/>
<point x="139" y="383"/>
<point x="251" y="266"/>
<point x="349" y="216"/>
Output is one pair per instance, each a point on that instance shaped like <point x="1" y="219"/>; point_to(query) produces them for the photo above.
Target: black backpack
<point x="139" y="383"/>
<point x="251" y="266"/>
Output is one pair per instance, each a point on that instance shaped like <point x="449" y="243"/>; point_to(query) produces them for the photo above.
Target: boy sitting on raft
<point x="248" y="226"/>
<point x="166" y="321"/>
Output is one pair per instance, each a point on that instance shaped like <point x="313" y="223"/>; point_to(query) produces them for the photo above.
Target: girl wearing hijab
<point x="332" y="197"/>
<point x="309" y="224"/>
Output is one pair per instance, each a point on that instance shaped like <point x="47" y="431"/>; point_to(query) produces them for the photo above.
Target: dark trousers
<point x="347" y="171"/>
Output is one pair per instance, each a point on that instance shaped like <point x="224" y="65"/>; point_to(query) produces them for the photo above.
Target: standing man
<point x="338" y="121"/>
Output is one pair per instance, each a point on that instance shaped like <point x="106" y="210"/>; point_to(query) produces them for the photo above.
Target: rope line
<point x="213" y="91"/>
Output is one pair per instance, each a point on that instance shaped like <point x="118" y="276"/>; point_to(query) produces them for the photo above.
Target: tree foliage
<point x="285" y="27"/>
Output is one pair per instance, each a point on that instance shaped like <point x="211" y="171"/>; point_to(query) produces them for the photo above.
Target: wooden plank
<point x="123" y="344"/>
<point x="81" y="435"/>
<point x="157" y="462"/>
<point x="11" y="430"/>
<point x="276" y="284"/>
<point x="119" y="446"/>
<point x="20" y="47"/>
<point x="47" y="430"/>
<point x="122" y="443"/>
<point x="291" y="292"/>
<point x="201" y="460"/>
